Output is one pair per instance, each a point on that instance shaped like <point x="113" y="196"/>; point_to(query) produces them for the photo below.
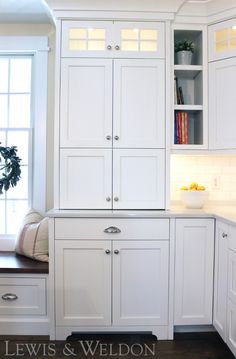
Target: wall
<point x="217" y="173"/>
<point x="43" y="30"/>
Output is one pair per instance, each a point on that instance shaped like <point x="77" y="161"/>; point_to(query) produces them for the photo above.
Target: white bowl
<point x="194" y="199"/>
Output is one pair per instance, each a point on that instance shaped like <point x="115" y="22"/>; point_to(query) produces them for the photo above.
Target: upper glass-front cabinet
<point x="222" y="40"/>
<point x="112" y="39"/>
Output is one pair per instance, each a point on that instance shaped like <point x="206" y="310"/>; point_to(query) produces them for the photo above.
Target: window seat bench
<point x="24" y="300"/>
<point x="11" y="262"/>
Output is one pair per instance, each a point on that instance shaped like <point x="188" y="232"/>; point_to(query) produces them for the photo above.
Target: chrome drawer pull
<point x="9" y="296"/>
<point x="112" y="229"/>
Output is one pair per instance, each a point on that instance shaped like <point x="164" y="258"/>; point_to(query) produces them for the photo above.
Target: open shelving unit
<point x="189" y="119"/>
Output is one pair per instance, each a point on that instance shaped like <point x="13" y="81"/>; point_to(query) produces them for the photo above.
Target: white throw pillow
<point x="32" y="239"/>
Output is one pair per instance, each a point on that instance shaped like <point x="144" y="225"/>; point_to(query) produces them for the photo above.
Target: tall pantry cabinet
<point x="111" y="133"/>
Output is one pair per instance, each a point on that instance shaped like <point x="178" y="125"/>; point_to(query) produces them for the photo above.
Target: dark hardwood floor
<point x="185" y="346"/>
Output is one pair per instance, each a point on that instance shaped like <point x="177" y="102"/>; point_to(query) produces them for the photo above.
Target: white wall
<point x="205" y="170"/>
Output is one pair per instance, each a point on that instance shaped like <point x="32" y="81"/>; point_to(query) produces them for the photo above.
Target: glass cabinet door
<point x="222" y="40"/>
<point x="145" y="39"/>
<point x="86" y="38"/>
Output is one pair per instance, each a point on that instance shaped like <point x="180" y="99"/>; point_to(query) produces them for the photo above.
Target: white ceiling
<point x="24" y="11"/>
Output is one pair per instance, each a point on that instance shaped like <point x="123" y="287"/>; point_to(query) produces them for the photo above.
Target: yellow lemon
<point x="201" y="188"/>
<point x="184" y="188"/>
<point x="193" y="185"/>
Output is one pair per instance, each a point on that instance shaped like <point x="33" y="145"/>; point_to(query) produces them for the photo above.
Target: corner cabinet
<point x="111" y="129"/>
<point x="222" y="79"/>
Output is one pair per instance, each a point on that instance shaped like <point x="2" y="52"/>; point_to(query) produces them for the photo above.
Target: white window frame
<point x="37" y="46"/>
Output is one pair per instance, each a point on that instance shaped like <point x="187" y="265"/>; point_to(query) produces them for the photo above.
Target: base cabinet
<point x="194" y="271"/>
<point x="111" y="283"/>
<point x="111" y="275"/>
<point x="220" y="278"/>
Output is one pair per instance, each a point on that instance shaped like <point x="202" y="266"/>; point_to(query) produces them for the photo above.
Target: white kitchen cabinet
<point x="194" y="271"/>
<point x="222" y="104"/>
<point x="220" y="278"/>
<point x="112" y="282"/>
<point x="138" y="179"/>
<point x="222" y="40"/>
<point x="90" y="179"/>
<point x="83" y="282"/>
<point x="112" y="39"/>
<point x="139" y="103"/>
<point x="87" y="111"/>
<point x="140" y="282"/>
<point x="86" y="103"/>
<point x="85" y="178"/>
<point x="231" y="304"/>
<point x="133" y="180"/>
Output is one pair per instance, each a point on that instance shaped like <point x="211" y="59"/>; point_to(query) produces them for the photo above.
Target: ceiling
<point x="24" y="11"/>
<point x="40" y="11"/>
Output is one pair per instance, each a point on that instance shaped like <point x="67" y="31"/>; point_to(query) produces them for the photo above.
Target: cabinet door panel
<point x="220" y="279"/>
<point x="139" y="39"/>
<point x="83" y="283"/>
<point x="222" y="104"/>
<point x="222" y="40"/>
<point x="85" y="178"/>
<point x="140" y="274"/>
<point x="139" y="179"/>
<point x="194" y="271"/>
<point x="86" y="103"/>
<point x="231" y="325"/>
<point x="139" y="99"/>
<point x="86" y="38"/>
<point x="232" y="276"/>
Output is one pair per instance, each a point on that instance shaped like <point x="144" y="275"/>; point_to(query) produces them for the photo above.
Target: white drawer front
<point x="23" y="296"/>
<point x="88" y="228"/>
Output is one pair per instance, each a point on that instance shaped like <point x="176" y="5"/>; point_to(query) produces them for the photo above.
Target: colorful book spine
<point x="181" y="128"/>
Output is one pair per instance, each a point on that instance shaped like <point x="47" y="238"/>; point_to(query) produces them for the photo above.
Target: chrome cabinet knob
<point x="112" y="230"/>
<point x="117" y="47"/>
<point x="109" y="47"/>
<point x="108" y="137"/>
<point x="116" y="199"/>
<point x="116" y="138"/>
<point x="107" y="251"/>
<point x="108" y="199"/>
<point x="9" y="296"/>
<point x="224" y="235"/>
<point x="116" y="251"/>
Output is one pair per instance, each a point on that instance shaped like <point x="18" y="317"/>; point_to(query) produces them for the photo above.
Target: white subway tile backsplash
<point x="205" y="169"/>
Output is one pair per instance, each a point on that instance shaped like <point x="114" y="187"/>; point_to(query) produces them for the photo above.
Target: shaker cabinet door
<point x="85" y="179"/>
<point x="222" y="104"/>
<point x="138" y="179"/>
<point x="139" y="99"/>
<point x="194" y="271"/>
<point x="140" y="282"/>
<point x="83" y="282"/>
<point x="220" y="278"/>
<point x="86" y="103"/>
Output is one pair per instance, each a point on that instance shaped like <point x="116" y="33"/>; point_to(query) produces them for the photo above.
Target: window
<point x="23" y="112"/>
<point x="15" y="130"/>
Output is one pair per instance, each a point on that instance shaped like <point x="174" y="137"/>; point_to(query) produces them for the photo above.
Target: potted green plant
<point x="9" y="168"/>
<point x="184" y="50"/>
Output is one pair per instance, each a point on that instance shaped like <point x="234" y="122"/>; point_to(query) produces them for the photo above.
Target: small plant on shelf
<point x="184" y="50"/>
<point x="184" y="45"/>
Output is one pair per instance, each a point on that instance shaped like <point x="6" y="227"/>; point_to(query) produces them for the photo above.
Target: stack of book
<point x="181" y="127"/>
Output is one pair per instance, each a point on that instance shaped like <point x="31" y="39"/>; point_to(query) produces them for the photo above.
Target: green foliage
<point x="184" y="45"/>
<point x="9" y="167"/>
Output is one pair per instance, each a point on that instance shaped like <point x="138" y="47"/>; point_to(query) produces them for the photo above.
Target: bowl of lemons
<point x="194" y="196"/>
